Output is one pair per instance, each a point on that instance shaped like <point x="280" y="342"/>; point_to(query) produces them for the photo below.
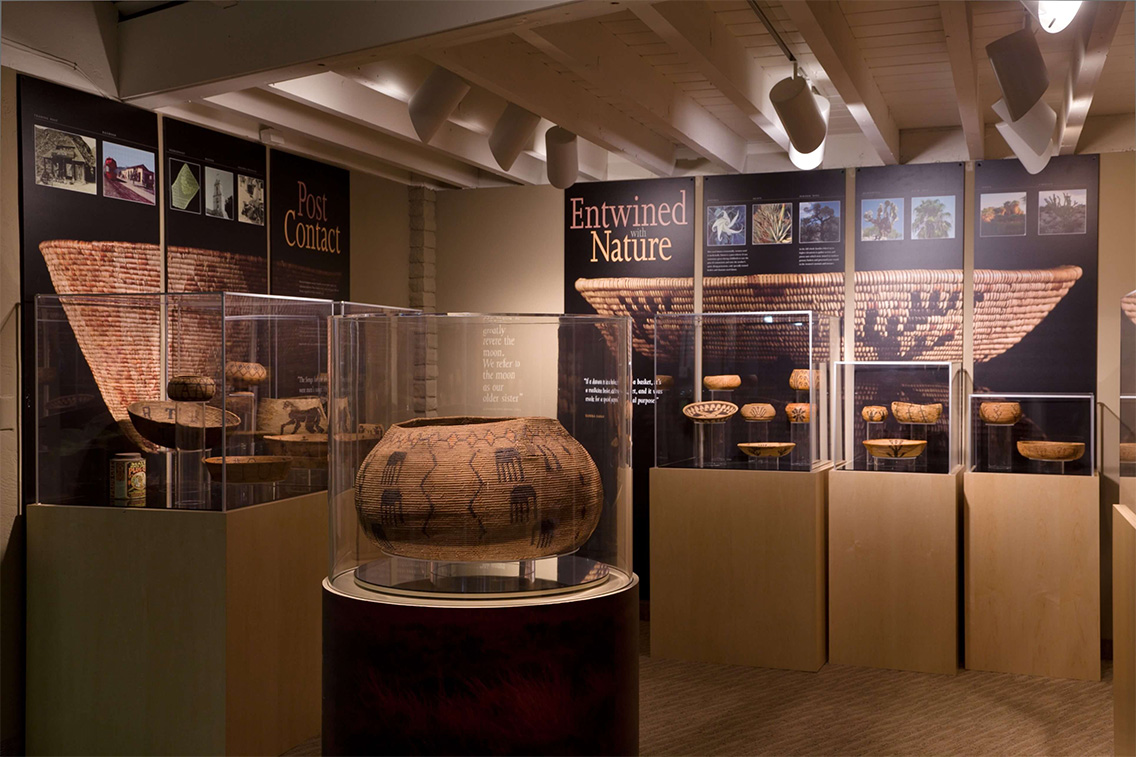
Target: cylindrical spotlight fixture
<point x="434" y="101"/>
<point x="512" y="134"/>
<point x="561" y="151"/>
<point x="800" y="113"/>
<point x="1020" y="70"/>
<point x="1053" y="15"/>
<point x="810" y="160"/>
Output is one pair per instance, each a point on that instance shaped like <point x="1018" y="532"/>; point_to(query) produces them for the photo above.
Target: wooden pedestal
<point x="737" y="566"/>
<point x="893" y="570"/>
<point x="1032" y="581"/>
<point x="1124" y="629"/>
<point x="174" y="631"/>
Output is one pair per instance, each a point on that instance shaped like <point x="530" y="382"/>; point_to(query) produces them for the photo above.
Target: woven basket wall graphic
<point x="910" y="314"/>
<point x="497" y="489"/>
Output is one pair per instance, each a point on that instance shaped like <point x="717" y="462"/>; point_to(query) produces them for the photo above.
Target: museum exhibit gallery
<point x="568" y="377"/>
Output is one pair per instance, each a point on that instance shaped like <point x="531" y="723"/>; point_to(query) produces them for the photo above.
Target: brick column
<point x="422" y="296"/>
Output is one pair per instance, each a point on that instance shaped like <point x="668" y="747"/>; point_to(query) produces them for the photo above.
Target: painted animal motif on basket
<point x="393" y="469"/>
<point x="390" y="511"/>
<point x="522" y="504"/>
<point x="309" y="418"/>
<point x="543" y="534"/>
<point x="509" y="468"/>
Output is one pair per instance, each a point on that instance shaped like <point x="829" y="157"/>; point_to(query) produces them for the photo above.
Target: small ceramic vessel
<point x="713" y="411"/>
<point x="907" y="412"/>
<point x="758" y="411"/>
<point x="1000" y="413"/>
<point x="895" y="448"/>
<point x="191" y="388"/>
<point x="798" y="412"/>
<point x="874" y="413"/>
<point x="249" y="469"/>
<point x="766" y="449"/>
<point x="1062" y="452"/>
<point x="722" y="383"/>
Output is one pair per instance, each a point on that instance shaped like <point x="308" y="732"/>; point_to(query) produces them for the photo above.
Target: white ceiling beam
<point x="598" y="56"/>
<point x="281" y="113"/>
<point x="338" y="96"/>
<point x="505" y="68"/>
<point x="194" y="50"/>
<point x="694" y="29"/>
<point x="1091" y="43"/>
<point x="957" y="26"/>
<point x="239" y="125"/>
<point x="827" y="35"/>
<point x="72" y="43"/>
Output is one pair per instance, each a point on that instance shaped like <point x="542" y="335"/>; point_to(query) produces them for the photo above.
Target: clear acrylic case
<point x="743" y="390"/>
<point x="479" y="456"/>
<point x="1128" y="385"/>
<point x="206" y="401"/>
<point x="897" y="416"/>
<point x="1033" y="433"/>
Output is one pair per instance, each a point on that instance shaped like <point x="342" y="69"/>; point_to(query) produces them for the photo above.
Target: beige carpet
<point x="699" y="709"/>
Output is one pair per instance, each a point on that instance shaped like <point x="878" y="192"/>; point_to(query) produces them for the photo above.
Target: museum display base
<point x="543" y="675"/>
<point x="1124" y="629"/>
<point x="893" y="570"/>
<point x="1032" y="582"/>
<point x="155" y="631"/>
<point x="737" y="566"/>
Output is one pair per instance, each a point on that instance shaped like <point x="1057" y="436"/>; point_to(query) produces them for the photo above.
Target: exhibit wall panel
<point x="501" y="250"/>
<point x="380" y="238"/>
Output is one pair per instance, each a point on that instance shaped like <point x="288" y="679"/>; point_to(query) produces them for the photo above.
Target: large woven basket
<point x="478" y="489"/>
<point x="910" y="314"/>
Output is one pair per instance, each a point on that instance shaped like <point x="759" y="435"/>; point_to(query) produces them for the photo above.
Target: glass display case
<point x="1128" y="386"/>
<point x="205" y="401"/>
<point x="897" y="416"/>
<point x="479" y="456"/>
<point x="1033" y="433"/>
<point x="743" y="390"/>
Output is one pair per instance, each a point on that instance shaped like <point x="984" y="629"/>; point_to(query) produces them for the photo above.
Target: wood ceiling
<point x="655" y="88"/>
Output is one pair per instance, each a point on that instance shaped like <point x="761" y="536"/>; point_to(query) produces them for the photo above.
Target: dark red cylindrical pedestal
<point x="554" y="678"/>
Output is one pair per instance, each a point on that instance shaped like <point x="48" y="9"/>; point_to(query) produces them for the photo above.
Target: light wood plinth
<point x="1124" y="629"/>
<point x="174" y="631"/>
<point x="893" y="572"/>
<point x="1032" y="575"/>
<point x="737" y="566"/>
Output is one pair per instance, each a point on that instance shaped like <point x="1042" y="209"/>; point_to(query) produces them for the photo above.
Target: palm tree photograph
<point x="933" y="217"/>
<point x="882" y="220"/>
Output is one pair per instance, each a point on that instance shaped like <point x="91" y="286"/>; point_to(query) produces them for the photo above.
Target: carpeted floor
<point x="690" y="708"/>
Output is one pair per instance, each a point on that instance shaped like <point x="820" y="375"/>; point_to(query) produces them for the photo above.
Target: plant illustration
<point x="1063" y="213"/>
<point x="932" y="220"/>
<point x="773" y="223"/>
<point x="820" y="222"/>
<point x="880" y="226"/>
<point x="724" y="225"/>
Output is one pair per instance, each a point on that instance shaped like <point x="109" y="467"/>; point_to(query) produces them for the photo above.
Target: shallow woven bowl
<point x="874" y="413"/>
<point x="1128" y="452"/>
<point x="157" y="421"/>
<point x="474" y="489"/>
<point x="722" y="383"/>
<point x="713" y="411"/>
<point x="306" y="450"/>
<point x="798" y="412"/>
<point x="191" y="388"/>
<point x="907" y="412"/>
<point x="1062" y="452"/>
<point x="758" y="411"/>
<point x="895" y="448"/>
<point x="1000" y="413"/>
<point x="249" y="469"/>
<point x="799" y="379"/>
<point x="766" y="449"/>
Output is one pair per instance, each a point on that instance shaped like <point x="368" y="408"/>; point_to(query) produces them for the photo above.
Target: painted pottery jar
<point x="766" y="449"/>
<point x="799" y="379"/>
<point x="874" y="413"/>
<point x="722" y="383"/>
<point x="191" y="388"/>
<point x="895" y="448"/>
<point x="798" y="412"/>
<point x="1000" y="413"/>
<point x="713" y="411"/>
<point x="1063" y="452"/>
<point x="907" y="412"/>
<point x="244" y="375"/>
<point x="478" y="489"/>
<point x="758" y="411"/>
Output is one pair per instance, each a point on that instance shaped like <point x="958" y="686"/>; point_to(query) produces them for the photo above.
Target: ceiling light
<point x="1031" y="136"/>
<point x="810" y="160"/>
<point x="799" y="109"/>
<point x="434" y="101"/>
<point x="512" y="134"/>
<point x="563" y="157"/>
<point x="1019" y="70"/>
<point x="1053" y="15"/>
